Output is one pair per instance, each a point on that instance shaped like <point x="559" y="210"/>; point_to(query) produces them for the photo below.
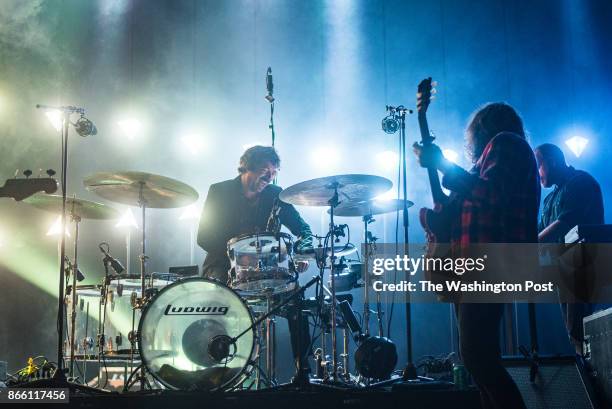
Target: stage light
<point x="192" y="143"/>
<point x="56" y="228"/>
<point x="325" y="157"/>
<point x="190" y="212"/>
<point x="388" y="195"/>
<point x="55" y="118"/>
<point x="130" y="127"/>
<point x="127" y="220"/>
<point x="451" y="155"/>
<point x="387" y="160"/>
<point x="577" y="144"/>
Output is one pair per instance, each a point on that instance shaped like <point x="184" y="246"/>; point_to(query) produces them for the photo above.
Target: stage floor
<point x="291" y="398"/>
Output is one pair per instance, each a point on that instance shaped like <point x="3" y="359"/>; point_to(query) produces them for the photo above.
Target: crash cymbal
<point x="370" y="207"/>
<point x="126" y="187"/>
<point x="351" y="188"/>
<point x="85" y="209"/>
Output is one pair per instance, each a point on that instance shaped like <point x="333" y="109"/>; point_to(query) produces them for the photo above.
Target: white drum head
<point x="176" y="330"/>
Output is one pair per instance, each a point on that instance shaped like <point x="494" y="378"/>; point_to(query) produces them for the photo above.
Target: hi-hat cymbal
<point x="370" y="207"/>
<point x="85" y="209"/>
<point x="127" y="187"/>
<point x="351" y="188"/>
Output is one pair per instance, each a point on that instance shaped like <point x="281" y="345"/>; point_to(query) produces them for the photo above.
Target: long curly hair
<point x="488" y="121"/>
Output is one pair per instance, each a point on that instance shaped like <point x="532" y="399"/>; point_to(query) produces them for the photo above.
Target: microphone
<point x="219" y="347"/>
<point x="114" y="263"/>
<point x="85" y="127"/>
<point x="269" y="86"/>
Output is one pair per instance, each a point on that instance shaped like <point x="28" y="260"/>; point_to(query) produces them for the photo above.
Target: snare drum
<point x="261" y="264"/>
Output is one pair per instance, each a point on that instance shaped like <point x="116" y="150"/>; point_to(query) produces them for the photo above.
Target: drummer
<point x="243" y="205"/>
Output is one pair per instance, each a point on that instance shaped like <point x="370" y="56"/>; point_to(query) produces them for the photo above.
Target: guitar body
<point x="437" y="221"/>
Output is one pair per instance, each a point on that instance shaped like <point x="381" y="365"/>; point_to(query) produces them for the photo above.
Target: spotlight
<point x="55" y="118"/>
<point x="127" y="220"/>
<point x="387" y="160"/>
<point x="451" y="155"/>
<point x="56" y="228"/>
<point x="193" y="143"/>
<point x="130" y="127"/>
<point x="190" y="213"/>
<point x="390" y="194"/>
<point x="325" y="157"/>
<point x="577" y="144"/>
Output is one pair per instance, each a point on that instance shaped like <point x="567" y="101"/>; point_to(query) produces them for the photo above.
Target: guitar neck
<point x="439" y="198"/>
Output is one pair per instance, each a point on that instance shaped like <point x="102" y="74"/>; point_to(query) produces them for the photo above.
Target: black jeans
<point x="299" y="330"/>
<point x="479" y="333"/>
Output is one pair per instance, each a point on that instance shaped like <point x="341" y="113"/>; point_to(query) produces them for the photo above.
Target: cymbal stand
<point x="100" y="338"/>
<point x="333" y="203"/>
<point x="270" y="327"/>
<point x="140" y="303"/>
<point x="75" y="268"/>
<point x="367" y="219"/>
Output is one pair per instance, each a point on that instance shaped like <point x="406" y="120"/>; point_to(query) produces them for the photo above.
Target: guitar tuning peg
<point x="434" y="91"/>
<point x="27" y="173"/>
<point x="50" y="172"/>
<point x="16" y="173"/>
<point x="434" y="83"/>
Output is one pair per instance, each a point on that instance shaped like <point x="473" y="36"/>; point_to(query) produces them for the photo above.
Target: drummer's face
<point x="260" y="178"/>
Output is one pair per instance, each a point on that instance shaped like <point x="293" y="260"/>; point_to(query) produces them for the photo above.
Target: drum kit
<point x="196" y="333"/>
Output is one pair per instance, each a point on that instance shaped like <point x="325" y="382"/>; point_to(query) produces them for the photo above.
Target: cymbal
<point x="159" y="192"/>
<point x="370" y="207"/>
<point x="351" y="188"/>
<point x="85" y="209"/>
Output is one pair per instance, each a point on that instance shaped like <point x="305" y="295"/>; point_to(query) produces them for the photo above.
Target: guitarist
<point x="496" y="201"/>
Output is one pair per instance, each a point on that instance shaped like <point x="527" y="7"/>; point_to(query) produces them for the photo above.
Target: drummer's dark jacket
<point x="227" y="213"/>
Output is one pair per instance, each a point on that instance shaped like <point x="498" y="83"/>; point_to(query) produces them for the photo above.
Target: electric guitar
<point x="436" y="222"/>
<point x="21" y="188"/>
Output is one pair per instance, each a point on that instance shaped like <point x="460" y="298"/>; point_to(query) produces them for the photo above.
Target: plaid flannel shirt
<point x="498" y="201"/>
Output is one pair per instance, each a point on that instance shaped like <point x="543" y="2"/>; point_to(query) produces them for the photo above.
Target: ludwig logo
<point x="197" y="310"/>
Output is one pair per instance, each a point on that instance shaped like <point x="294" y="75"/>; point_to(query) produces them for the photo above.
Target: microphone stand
<point x="409" y="372"/>
<point x="270" y="99"/>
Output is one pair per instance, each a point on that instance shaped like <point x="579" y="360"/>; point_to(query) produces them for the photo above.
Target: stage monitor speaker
<point x="559" y="384"/>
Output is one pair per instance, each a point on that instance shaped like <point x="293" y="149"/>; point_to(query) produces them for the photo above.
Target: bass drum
<point x="179" y="326"/>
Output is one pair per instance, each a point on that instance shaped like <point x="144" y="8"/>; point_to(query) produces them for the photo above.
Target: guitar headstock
<point x="424" y="95"/>
<point x="22" y="188"/>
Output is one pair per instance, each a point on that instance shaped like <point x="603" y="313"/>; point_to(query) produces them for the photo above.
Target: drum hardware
<point x="328" y="191"/>
<point x="146" y="191"/>
<point x="78" y="209"/>
<point x="299" y="378"/>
